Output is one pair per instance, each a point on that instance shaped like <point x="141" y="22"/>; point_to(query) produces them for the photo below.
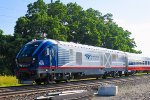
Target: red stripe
<point x="77" y="67"/>
<point x="118" y="67"/>
<point x="47" y="67"/>
<point x="23" y="68"/>
<point x="139" y="68"/>
<point x="91" y="67"/>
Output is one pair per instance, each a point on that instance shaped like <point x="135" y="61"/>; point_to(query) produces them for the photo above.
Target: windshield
<point x="29" y="49"/>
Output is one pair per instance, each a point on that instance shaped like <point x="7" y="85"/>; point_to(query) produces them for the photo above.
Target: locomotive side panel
<point x="89" y="60"/>
<point x="73" y="58"/>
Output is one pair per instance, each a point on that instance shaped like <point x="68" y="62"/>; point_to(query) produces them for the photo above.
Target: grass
<point x="8" y="81"/>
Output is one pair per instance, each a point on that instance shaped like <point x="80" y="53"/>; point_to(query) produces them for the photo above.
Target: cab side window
<point x="45" y="57"/>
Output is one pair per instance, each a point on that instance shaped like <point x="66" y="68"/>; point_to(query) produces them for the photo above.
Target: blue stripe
<point x="38" y="47"/>
<point x="43" y="45"/>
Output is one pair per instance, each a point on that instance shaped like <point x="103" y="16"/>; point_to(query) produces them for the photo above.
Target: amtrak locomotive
<point x="44" y="61"/>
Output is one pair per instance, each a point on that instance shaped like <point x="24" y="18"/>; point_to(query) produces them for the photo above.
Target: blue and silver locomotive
<point x="44" y="61"/>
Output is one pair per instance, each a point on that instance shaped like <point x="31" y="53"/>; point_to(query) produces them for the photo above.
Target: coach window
<point x="148" y="62"/>
<point x="135" y="63"/>
<point x="140" y="63"/>
<point x="145" y="62"/>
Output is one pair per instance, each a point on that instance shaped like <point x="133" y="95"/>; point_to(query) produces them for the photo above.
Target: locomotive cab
<point x="35" y="60"/>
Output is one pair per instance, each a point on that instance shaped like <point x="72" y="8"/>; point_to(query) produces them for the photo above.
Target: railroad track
<point x="21" y="91"/>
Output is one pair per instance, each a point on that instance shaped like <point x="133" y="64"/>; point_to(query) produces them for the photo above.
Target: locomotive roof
<point x="88" y="46"/>
<point x="83" y="46"/>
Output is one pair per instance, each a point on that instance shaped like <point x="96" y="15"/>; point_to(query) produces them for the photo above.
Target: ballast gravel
<point x="137" y="89"/>
<point x="134" y="90"/>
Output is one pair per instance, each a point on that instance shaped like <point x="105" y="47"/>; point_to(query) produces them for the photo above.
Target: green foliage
<point x="68" y="22"/>
<point x="9" y="47"/>
<point x="1" y="32"/>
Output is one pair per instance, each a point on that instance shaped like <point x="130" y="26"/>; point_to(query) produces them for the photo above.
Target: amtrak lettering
<point x="91" y="57"/>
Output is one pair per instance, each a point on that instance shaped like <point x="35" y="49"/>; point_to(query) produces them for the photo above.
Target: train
<point x="45" y="61"/>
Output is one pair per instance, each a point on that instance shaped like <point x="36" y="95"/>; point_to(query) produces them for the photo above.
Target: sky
<point x="132" y="15"/>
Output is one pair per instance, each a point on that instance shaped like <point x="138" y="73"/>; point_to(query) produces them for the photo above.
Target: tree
<point x="40" y="22"/>
<point x="33" y="23"/>
<point x="117" y="38"/>
<point x="6" y="53"/>
<point x="71" y="23"/>
<point x="36" y="8"/>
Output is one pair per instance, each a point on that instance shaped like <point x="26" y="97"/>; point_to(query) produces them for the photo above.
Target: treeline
<point x="66" y="22"/>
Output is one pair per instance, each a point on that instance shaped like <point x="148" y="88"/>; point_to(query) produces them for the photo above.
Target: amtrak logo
<point x="91" y="57"/>
<point x="87" y="56"/>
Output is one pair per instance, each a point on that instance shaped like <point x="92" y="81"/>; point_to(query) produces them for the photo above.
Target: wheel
<point x="97" y="78"/>
<point x="147" y="72"/>
<point x="126" y="73"/>
<point x="67" y="80"/>
<point x="47" y="81"/>
<point x="57" y="81"/>
<point x="113" y="74"/>
<point x="38" y="82"/>
<point x="120" y="73"/>
<point x="104" y="75"/>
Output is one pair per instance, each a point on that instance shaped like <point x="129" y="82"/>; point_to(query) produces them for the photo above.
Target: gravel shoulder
<point x="129" y="88"/>
<point x="134" y="90"/>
